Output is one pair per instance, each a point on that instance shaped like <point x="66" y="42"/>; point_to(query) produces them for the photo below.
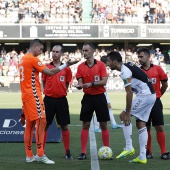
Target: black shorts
<point x="57" y="107"/>
<point x="156" y="115"/>
<point x="97" y="103"/>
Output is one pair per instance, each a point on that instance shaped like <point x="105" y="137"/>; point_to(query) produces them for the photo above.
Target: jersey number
<point x="21" y="72"/>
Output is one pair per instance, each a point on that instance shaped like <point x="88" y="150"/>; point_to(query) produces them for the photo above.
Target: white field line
<point x="93" y="149"/>
<point x="110" y="125"/>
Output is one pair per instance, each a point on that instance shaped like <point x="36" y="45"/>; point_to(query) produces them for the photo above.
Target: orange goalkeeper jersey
<point x="29" y="68"/>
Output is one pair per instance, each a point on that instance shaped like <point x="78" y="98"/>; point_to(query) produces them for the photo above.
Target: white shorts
<point x="142" y="105"/>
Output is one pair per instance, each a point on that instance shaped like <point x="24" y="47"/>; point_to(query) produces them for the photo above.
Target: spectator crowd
<point x="71" y="11"/>
<point x="40" y="11"/>
<point x="131" y="11"/>
<point x="9" y="60"/>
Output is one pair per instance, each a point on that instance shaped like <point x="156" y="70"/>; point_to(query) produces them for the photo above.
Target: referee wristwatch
<point x="92" y="83"/>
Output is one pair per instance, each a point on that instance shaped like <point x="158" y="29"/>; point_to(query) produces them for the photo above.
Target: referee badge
<point x="62" y="78"/>
<point x="153" y="80"/>
<point x="96" y="78"/>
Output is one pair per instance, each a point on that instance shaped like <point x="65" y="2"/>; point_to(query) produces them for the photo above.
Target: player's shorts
<point x="57" y="107"/>
<point x="156" y="115"/>
<point x="34" y="108"/>
<point x="97" y="103"/>
<point x="142" y="105"/>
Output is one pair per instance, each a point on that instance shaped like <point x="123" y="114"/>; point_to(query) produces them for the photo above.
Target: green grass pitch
<point x="12" y="155"/>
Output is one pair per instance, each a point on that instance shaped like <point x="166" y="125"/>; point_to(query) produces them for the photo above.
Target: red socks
<point x="149" y="142"/>
<point x="106" y="137"/>
<point x="84" y="136"/>
<point x="66" y="139"/>
<point x="161" y="141"/>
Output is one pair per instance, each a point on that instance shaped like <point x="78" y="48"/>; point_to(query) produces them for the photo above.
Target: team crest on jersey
<point x="153" y="80"/>
<point x="39" y="63"/>
<point x="62" y="78"/>
<point x="96" y="78"/>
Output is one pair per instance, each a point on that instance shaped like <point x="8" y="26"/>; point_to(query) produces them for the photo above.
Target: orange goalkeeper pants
<point x="40" y="125"/>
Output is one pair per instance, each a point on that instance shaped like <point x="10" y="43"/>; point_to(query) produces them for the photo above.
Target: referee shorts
<point x="97" y="103"/>
<point x="57" y="107"/>
<point x="156" y="115"/>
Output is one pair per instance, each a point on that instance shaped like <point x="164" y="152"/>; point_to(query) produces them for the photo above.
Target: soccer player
<point x="137" y="82"/>
<point x="29" y="68"/>
<point x="92" y="77"/>
<point x="112" y="119"/>
<point x="160" y="82"/>
<point x="55" y="101"/>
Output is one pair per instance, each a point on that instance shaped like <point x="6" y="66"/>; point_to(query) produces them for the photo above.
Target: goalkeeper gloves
<point x="22" y="117"/>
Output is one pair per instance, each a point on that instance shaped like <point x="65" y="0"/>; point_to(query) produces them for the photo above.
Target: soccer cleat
<point x="68" y="155"/>
<point x="126" y="153"/>
<point x="165" y="156"/>
<point x="138" y="160"/>
<point x="82" y="156"/>
<point x="148" y="154"/>
<point x="116" y="126"/>
<point x="97" y="130"/>
<point x="44" y="159"/>
<point x="30" y="159"/>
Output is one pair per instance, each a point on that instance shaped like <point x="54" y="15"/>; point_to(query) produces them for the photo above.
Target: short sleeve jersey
<point x="139" y="81"/>
<point x="156" y="75"/>
<point x="92" y="74"/>
<point x="55" y="86"/>
<point x="29" y="68"/>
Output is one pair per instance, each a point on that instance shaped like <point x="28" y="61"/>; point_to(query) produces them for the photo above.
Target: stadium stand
<point x="9" y="60"/>
<point x="95" y="11"/>
<point x="131" y="11"/>
<point x="78" y="12"/>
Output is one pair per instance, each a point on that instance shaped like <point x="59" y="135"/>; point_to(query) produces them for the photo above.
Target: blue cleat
<point x="116" y="126"/>
<point x="97" y="130"/>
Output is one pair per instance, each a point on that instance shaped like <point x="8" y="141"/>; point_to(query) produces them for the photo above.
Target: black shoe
<point x="82" y="156"/>
<point x="68" y="155"/>
<point x="148" y="154"/>
<point x="165" y="156"/>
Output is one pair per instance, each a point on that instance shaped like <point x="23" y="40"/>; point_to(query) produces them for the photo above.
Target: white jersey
<point x="139" y="81"/>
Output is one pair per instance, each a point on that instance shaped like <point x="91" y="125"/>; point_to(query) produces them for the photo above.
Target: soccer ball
<point x="105" y="153"/>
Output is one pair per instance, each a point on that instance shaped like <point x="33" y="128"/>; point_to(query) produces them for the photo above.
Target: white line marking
<point x="110" y="125"/>
<point x="93" y="149"/>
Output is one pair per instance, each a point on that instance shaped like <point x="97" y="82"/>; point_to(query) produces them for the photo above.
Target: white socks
<point x="127" y="131"/>
<point x="143" y="138"/>
<point x="112" y="119"/>
<point x="95" y="122"/>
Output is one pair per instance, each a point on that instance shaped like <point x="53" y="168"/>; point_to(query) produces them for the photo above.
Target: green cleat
<point x="137" y="160"/>
<point x="126" y="153"/>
